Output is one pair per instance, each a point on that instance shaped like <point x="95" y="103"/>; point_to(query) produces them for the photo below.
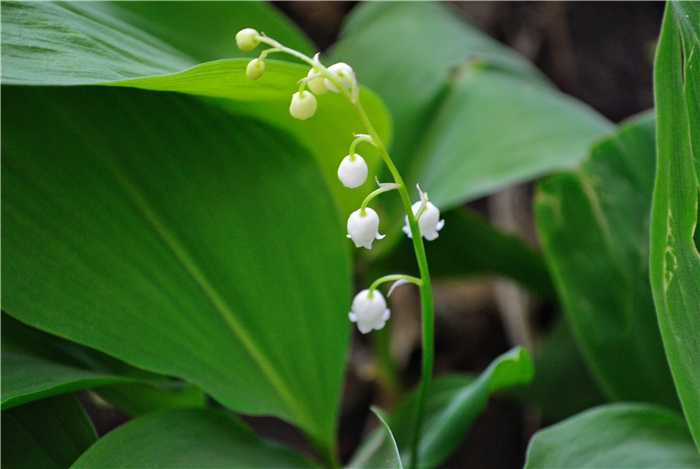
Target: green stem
<point x="426" y="293"/>
<point x="427" y="313"/>
<point x="389" y="278"/>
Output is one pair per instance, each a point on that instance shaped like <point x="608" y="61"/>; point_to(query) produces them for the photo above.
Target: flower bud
<point x="245" y="39"/>
<point x="352" y="173"/>
<point x="255" y="69"/>
<point x="303" y="105"/>
<point x="429" y="221"/>
<point x="363" y="230"/>
<point x="369" y="312"/>
<point x="316" y="85"/>
<point x="344" y="73"/>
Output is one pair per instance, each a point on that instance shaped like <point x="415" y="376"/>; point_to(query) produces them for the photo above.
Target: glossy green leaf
<point x="594" y="227"/>
<point x="92" y="42"/>
<point x="675" y="261"/>
<point x="49" y="434"/>
<point x="167" y="233"/>
<point x="453" y="405"/>
<point x="379" y="450"/>
<point x="469" y="246"/>
<point x="471" y="116"/>
<point x="78" y="43"/>
<point x="615" y="435"/>
<point x="563" y="385"/>
<point x="207" y="31"/>
<point x="187" y="439"/>
<point x="36" y="365"/>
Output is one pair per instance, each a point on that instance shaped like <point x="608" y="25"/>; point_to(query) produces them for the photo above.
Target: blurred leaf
<point x="495" y="130"/>
<point x="161" y="230"/>
<point x="49" y="434"/>
<point x="379" y="450"/>
<point x="594" y="226"/>
<point x="563" y="385"/>
<point x="615" y="435"/>
<point x="138" y="398"/>
<point x="675" y="261"/>
<point x="472" y="116"/>
<point x="453" y="404"/>
<point x="36" y="365"/>
<point x="186" y="439"/>
<point x="469" y="246"/>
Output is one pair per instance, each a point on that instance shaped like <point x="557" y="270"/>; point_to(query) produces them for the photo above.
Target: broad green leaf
<point x="675" y="261"/>
<point x="621" y="435"/>
<point x="470" y="245"/>
<point x="495" y="130"/>
<point x="116" y="41"/>
<point x="327" y="134"/>
<point x="36" y="365"/>
<point x="49" y="434"/>
<point x="91" y="42"/>
<point x="186" y="439"/>
<point x="453" y="404"/>
<point x="471" y="116"/>
<point x="563" y="384"/>
<point x="170" y="234"/>
<point x="78" y="43"/>
<point x="379" y="450"/>
<point x="594" y="227"/>
<point x="207" y="31"/>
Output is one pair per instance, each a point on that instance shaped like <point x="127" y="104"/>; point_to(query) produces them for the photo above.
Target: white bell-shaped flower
<point x="352" y="172"/>
<point x="245" y="39"/>
<point x="429" y="221"/>
<point x="303" y="105"/>
<point x="316" y="85"/>
<point x="344" y="73"/>
<point x="369" y="312"/>
<point x="255" y="69"/>
<point x="363" y="230"/>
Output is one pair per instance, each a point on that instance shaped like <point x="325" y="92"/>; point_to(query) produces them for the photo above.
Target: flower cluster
<point x="369" y="309"/>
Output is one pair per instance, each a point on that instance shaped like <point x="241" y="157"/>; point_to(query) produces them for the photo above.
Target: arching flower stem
<point x="426" y="294"/>
<point x="373" y="194"/>
<point x="394" y="277"/>
<point x="358" y="139"/>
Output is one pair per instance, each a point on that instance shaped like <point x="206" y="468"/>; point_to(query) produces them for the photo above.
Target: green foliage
<point x="51" y="433"/>
<point x="464" y="90"/>
<point x="172" y="237"/>
<point x="185" y="439"/>
<point x="616" y="435"/>
<point x="594" y="226"/>
<point x="453" y="404"/>
<point x="379" y="450"/>
<point x="675" y="261"/>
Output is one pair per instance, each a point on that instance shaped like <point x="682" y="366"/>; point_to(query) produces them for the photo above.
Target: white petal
<point x="352" y="316"/>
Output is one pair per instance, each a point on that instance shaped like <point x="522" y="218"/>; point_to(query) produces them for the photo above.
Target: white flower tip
<point x="303" y="105"/>
<point x="255" y="69"/>
<point x="363" y="230"/>
<point x="369" y="312"/>
<point x="246" y="39"/>
<point x="352" y="173"/>
<point x="429" y="221"/>
<point x="344" y="73"/>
